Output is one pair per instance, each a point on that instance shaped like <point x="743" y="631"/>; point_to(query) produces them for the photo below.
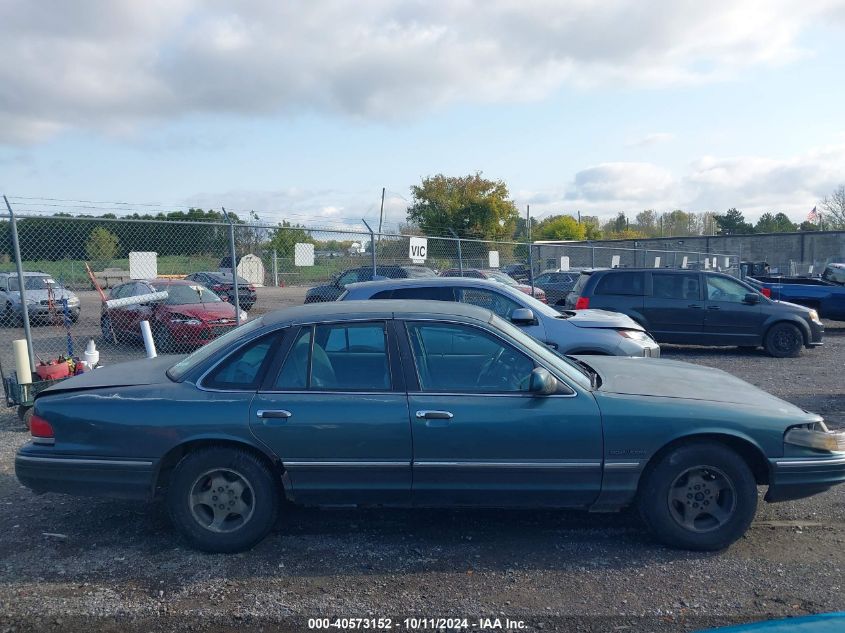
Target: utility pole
<point x="530" y="248"/>
<point x="381" y="213"/>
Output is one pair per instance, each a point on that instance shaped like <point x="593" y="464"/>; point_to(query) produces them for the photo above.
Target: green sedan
<point x="404" y="403"/>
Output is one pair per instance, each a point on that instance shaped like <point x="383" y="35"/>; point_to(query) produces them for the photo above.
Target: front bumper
<point x="633" y="347"/>
<point x="816" y="334"/>
<point x="85" y="476"/>
<point x="799" y="477"/>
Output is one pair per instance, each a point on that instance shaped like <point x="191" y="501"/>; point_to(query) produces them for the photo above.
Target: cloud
<point x="752" y="184"/>
<point x="112" y="66"/>
<point x="651" y="139"/>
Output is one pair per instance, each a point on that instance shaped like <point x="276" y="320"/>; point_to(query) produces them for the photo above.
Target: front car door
<point x="675" y="309"/>
<point x="480" y="438"/>
<point x="728" y="319"/>
<point x="336" y="413"/>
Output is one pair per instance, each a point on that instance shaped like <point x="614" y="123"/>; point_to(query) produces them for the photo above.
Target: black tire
<point x="74" y="316"/>
<point x="25" y="415"/>
<point x="254" y="503"/>
<point x="784" y="340"/>
<point x="710" y="475"/>
<point x="163" y="340"/>
<point x="10" y="318"/>
<point x="107" y="330"/>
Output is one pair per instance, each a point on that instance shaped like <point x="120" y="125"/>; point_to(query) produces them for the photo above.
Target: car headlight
<point x="814" y="316"/>
<point x="636" y="335"/>
<point x="185" y="320"/>
<point x="816" y="436"/>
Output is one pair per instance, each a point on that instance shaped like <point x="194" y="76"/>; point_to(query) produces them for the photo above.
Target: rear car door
<point x="728" y="319"/>
<point x="336" y="413"/>
<point x="480" y="438"/>
<point x="620" y="291"/>
<point x="674" y="310"/>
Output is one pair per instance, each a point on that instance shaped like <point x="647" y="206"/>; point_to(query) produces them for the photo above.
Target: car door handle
<point x="273" y="414"/>
<point x="552" y="345"/>
<point x="694" y="306"/>
<point x="434" y="415"/>
<point x="713" y="308"/>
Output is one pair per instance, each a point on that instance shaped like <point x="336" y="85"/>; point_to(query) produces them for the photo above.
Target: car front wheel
<point x="223" y="499"/>
<point x="784" y="340"/>
<point x="699" y="496"/>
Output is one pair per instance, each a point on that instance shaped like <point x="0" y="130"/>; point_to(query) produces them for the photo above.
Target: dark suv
<point x="699" y="308"/>
<point x="331" y="291"/>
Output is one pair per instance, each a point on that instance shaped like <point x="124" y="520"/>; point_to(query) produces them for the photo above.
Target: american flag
<point x="813" y="215"/>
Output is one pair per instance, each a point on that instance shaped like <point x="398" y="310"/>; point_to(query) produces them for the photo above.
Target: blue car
<point x="418" y="403"/>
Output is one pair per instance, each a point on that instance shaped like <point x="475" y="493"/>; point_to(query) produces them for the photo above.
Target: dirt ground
<point x="90" y="564"/>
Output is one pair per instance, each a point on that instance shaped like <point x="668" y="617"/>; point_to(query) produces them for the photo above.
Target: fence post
<point x="592" y="256"/>
<point x="530" y="249"/>
<point x="234" y="263"/>
<point x="460" y="261"/>
<point x="21" y="285"/>
<point x="372" y="245"/>
<point x="275" y="269"/>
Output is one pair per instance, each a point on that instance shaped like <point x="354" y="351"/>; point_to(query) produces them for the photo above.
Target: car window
<point x="431" y="293"/>
<point x="3" y="284"/>
<point x="724" y="289"/>
<point x="672" y="286"/>
<point x="419" y="272"/>
<point x="349" y="277"/>
<point x="210" y="349"/>
<point x="178" y="294"/>
<point x="543" y="279"/>
<point x="463" y="359"/>
<point x="493" y="301"/>
<point x="835" y="274"/>
<point x="242" y="369"/>
<point x="342" y="357"/>
<point x="632" y="283"/>
<point x="122" y="291"/>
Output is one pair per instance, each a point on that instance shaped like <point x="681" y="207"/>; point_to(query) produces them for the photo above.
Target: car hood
<point x="323" y="290"/>
<point x="41" y="295"/>
<point x="204" y="311"/>
<point x="675" y="379"/>
<point x="144" y="371"/>
<point x="601" y="319"/>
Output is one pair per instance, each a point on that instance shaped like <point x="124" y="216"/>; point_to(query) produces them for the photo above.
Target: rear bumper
<point x="89" y="477"/>
<point x="796" y="478"/>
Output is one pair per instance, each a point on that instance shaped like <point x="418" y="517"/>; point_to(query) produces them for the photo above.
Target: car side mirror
<point x="522" y="316"/>
<point x="542" y="382"/>
<point x="752" y="298"/>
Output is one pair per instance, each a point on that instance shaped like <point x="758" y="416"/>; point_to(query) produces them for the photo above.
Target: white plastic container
<point x="91" y="355"/>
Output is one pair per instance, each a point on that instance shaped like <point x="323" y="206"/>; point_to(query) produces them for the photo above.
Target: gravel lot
<point x="90" y="564"/>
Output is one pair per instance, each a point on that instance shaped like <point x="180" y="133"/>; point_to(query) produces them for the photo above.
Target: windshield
<point x="536" y="305"/>
<point x="207" y="351"/>
<point x="226" y="278"/>
<point x="178" y="294"/>
<point x="502" y="277"/>
<point x="568" y="367"/>
<point x="420" y="272"/>
<point x="33" y="283"/>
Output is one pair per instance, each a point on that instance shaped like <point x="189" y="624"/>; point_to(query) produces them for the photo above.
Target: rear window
<point x="614" y="283"/>
<point x="420" y="272"/>
<point x="579" y="285"/>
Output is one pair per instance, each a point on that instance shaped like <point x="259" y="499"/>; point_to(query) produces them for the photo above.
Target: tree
<point x="472" y="206"/>
<point x="806" y="225"/>
<point x="560" y="227"/>
<point x="733" y="223"/>
<point x="647" y="223"/>
<point x="101" y="246"/>
<point x="286" y="236"/>
<point x="592" y="227"/>
<point x="833" y="206"/>
<point x="770" y="223"/>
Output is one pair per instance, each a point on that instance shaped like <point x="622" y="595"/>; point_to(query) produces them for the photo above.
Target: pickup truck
<point x="826" y="297"/>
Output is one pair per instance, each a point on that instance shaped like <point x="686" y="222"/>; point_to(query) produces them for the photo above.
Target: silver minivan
<point x="581" y="332"/>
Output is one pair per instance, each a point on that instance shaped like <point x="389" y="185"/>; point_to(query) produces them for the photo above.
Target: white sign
<point x="303" y="254"/>
<point x="706" y="263"/>
<point x="809" y="271"/>
<point x="493" y="256"/>
<point x="143" y="265"/>
<point x="564" y="263"/>
<point x="657" y="262"/>
<point x="614" y="261"/>
<point x="728" y="263"/>
<point x="715" y="262"/>
<point x="418" y="249"/>
<point x="684" y="263"/>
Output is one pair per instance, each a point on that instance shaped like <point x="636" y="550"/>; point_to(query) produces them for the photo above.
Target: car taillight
<point x="767" y="292"/>
<point x="583" y="303"/>
<point x="39" y="427"/>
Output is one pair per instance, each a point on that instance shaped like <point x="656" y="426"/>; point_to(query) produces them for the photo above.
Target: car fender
<point x="788" y="318"/>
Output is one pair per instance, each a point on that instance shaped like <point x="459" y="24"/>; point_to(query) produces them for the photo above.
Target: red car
<point x="190" y="317"/>
<point x="496" y="275"/>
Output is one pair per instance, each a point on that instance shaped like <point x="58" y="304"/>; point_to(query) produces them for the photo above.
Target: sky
<point x="305" y="111"/>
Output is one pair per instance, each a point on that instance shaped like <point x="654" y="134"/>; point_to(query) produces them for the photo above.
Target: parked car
<point x="331" y="291"/>
<point x="498" y="276"/>
<point x="223" y="285"/>
<point x="583" y="332"/>
<point x="699" y="308"/>
<point x="44" y="297"/>
<point x="826" y="297"/>
<point x="556" y="284"/>
<point x="817" y="623"/>
<point x="520" y="272"/>
<point x="834" y="273"/>
<point x="402" y="403"/>
<point x="191" y="315"/>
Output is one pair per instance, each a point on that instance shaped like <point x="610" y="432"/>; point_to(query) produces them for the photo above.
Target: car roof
<point x="677" y="271"/>
<point x="385" y="284"/>
<point x="386" y="309"/>
<point x="167" y="282"/>
<point x="28" y="274"/>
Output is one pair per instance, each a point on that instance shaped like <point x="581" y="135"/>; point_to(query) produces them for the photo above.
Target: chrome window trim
<point x="82" y="461"/>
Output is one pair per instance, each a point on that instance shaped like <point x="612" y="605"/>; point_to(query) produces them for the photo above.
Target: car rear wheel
<point x="784" y="340"/>
<point x="222" y="499"/>
<point x="700" y="496"/>
<point x="163" y="340"/>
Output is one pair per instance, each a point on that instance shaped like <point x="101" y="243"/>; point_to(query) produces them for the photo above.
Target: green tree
<point x="771" y="223"/>
<point x="833" y="210"/>
<point x="733" y="223"/>
<point x="102" y="245"/>
<point x="807" y="225"/>
<point x="646" y="223"/>
<point x="472" y="206"/>
<point x="286" y="236"/>
<point x="592" y="227"/>
<point x="560" y="227"/>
